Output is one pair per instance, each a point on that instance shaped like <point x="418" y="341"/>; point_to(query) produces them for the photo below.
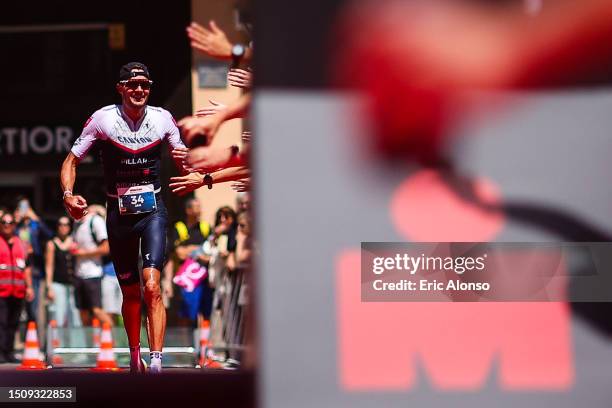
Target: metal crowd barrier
<point x="228" y="317"/>
<point x="74" y="347"/>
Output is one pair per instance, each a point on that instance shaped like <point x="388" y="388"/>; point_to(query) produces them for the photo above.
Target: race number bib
<point x="136" y="199"/>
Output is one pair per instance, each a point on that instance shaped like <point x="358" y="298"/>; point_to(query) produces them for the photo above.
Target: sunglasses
<point x="63" y="224"/>
<point x="7" y="222"/>
<point x="133" y="85"/>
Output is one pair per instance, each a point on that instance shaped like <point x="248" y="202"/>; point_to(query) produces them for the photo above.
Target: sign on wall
<point x="212" y="74"/>
<point x="37" y="140"/>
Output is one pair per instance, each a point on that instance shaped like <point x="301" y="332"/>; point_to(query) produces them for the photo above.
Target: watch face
<point x="238" y="50"/>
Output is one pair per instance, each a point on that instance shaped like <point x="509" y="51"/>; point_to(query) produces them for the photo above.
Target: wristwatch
<point x="208" y="181"/>
<point x="238" y="51"/>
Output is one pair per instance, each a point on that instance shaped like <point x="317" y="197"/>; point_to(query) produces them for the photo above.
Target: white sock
<point x="156" y="361"/>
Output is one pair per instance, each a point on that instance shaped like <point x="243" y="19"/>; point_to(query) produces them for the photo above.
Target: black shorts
<point x="88" y="293"/>
<point x="129" y="233"/>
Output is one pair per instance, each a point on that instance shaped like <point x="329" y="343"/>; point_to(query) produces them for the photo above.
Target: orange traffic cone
<point x="106" y="357"/>
<point x="31" y="353"/>
<point x="96" y="332"/>
<point x="204" y="334"/>
<point x="55" y="343"/>
<point x="206" y="361"/>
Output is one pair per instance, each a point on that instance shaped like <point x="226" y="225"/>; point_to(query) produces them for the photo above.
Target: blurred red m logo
<point x="455" y="343"/>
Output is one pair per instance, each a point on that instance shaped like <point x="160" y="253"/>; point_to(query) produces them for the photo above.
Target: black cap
<point x="132" y="69"/>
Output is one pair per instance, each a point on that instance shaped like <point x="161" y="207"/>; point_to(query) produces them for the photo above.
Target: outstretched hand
<point x="210" y="158"/>
<point x="182" y="185"/>
<point x="192" y="126"/>
<point x="211" y="109"/>
<point x="240" y="78"/>
<point x="179" y="155"/>
<point x="242" y="186"/>
<point x="211" y="41"/>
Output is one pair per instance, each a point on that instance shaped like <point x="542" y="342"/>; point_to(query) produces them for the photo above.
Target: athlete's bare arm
<point x="75" y="204"/>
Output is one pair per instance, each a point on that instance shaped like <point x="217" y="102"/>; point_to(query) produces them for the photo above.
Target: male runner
<point x="130" y="137"/>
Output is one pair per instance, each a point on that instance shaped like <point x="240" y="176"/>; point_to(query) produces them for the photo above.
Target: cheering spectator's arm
<point x="208" y="126"/>
<point x="177" y="149"/>
<point x="181" y="250"/>
<point x="213" y="108"/>
<point x="230" y="174"/>
<point x="100" y="232"/>
<point x="242" y="185"/>
<point x="101" y="250"/>
<point x="50" y="269"/>
<point x="240" y="78"/>
<point x="246" y="137"/>
<point x="180" y="155"/>
<point x="184" y="251"/>
<point x="212" y="41"/>
<point x="27" y="276"/>
<point x="185" y="184"/>
<point x="231" y="261"/>
<point x="46" y="233"/>
<point x="206" y="159"/>
<point x="243" y="252"/>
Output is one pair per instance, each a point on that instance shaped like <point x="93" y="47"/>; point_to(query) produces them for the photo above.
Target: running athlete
<point x="130" y="137"/>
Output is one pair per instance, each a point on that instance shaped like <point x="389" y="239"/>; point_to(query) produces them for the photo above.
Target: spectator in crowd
<point x="59" y="268"/>
<point x="226" y="228"/>
<point x="34" y="233"/>
<point x="244" y="242"/>
<point x="243" y="202"/>
<point x="91" y="240"/>
<point x="233" y="279"/>
<point x="188" y="238"/>
<point x="241" y="257"/>
<point x="112" y="298"/>
<point x="15" y="285"/>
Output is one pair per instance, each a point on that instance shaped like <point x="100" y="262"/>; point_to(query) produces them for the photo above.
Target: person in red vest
<point x="15" y="285"/>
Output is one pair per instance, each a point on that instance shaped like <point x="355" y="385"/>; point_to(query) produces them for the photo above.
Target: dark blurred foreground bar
<point x="226" y="389"/>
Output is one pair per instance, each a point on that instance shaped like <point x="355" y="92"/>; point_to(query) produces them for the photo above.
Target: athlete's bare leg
<point x="131" y="320"/>
<point x="156" y="314"/>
